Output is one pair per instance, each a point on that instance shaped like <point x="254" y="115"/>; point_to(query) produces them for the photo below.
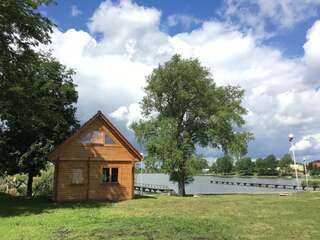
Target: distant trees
<point x="199" y="164"/>
<point x="244" y="166"/>
<point x="267" y="166"/>
<point x="224" y="165"/>
<point x="284" y="164"/>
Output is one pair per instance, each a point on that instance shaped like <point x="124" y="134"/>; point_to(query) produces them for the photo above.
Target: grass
<point x="268" y="216"/>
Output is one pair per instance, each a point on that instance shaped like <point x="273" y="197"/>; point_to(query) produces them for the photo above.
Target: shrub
<point x="312" y="183"/>
<point x="43" y="185"/>
<point x="16" y="184"/>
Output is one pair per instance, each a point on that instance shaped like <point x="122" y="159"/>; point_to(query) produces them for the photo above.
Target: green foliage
<point x="184" y="109"/>
<point x="15" y="185"/>
<point x="260" y="166"/>
<point x="151" y="165"/>
<point x="43" y="185"/>
<point x="224" y="164"/>
<point x="199" y="164"/>
<point x="245" y="166"/>
<point x="267" y="166"/>
<point x="285" y="163"/>
<point x="22" y="26"/>
<point x="39" y="113"/>
<point x="213" y="168"/>
<point x="37" y="93"/>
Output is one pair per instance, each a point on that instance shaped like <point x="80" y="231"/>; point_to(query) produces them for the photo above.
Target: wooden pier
<point x="152" y="188"/>
<point x="250" y="184"/>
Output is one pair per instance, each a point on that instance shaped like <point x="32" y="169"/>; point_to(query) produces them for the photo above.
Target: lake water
<point x="203" y="185"/>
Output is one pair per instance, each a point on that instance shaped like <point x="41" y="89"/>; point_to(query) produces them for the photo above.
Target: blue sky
<point x="290" y="41"/>
<point x="269" y="48"/>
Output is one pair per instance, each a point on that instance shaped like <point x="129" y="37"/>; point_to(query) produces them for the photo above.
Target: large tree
<point x="185" y="109"/>
<point x="37" y="94"/>
<point x="39" y="114"/>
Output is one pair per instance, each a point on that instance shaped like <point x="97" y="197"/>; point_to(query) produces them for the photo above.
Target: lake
<point x="203" y="185"/>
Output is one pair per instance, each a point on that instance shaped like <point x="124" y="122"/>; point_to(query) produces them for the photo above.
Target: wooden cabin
<point x="95" y="163"/>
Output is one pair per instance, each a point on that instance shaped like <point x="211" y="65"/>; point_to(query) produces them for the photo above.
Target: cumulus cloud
<point x="308" y="146"/>
<point x="131" y="30"/>
<point x="312" y="56"/>
<point x="105" y="82"/>
<point x="129" y="114"/>
<point x="257" y="15"/>
<point x="111" y="70"/>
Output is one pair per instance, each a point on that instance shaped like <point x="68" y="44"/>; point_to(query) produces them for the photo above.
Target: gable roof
<point x="100" y="115"/>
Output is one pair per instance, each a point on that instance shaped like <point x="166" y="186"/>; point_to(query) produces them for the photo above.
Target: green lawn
<point x="163" y="217"/>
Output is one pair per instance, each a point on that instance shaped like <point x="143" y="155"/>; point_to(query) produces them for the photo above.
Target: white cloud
<point x="111" y="71"/>
<point x="75" y="11"/>
<point x="261" y="15"/>
<point x="308" y="146"/>
<point x="312" y="55"/>
<point x="297" y="108"/>
<point x="186" y="21"/>
<point x="129" y="114"/>
<point x="131" y="30"/>
<point x="105" y="81"/>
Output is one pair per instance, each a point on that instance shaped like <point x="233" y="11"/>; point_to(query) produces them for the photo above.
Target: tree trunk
<point x="181" y="186"/>
<point x="29" y="185"/>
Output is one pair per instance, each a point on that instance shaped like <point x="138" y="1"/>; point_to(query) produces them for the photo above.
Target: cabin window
<point x="114" y="174"/>
<point x="106" y="175"/>
<point x="110" y="175"/>
<point x="108" y="139"/>
<point x="95" y="137"/>
<point x="86" y="139"/>
<point x="77" y="176"/>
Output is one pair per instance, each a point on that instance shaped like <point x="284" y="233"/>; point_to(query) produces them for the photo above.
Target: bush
<point x="312" y="183"/>
<point x="43" y="185"/>
<point x="16" y="184"/>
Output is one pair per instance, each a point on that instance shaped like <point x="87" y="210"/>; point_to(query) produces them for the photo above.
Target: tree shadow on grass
<point x="17" y="205"/>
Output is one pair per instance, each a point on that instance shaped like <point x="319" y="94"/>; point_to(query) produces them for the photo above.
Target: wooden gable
<point x="89" y="143"/>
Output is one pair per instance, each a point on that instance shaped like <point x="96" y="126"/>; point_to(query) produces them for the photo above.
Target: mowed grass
<point x="268" y="216"/>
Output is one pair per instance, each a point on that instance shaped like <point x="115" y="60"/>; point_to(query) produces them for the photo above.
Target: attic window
<point x="95" y="137"/>
<point x="108" y="140"/>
